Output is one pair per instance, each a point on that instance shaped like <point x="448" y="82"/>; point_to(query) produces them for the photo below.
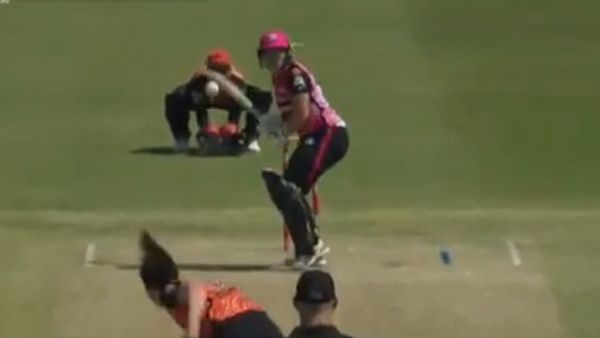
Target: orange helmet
<point x="218" y="59"/>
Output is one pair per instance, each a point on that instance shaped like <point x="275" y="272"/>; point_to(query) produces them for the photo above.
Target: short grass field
<point x="472" y="123"/>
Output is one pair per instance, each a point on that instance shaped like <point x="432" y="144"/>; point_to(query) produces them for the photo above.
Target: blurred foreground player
<point x="202" y="310"/>
<point x="199" y="95"/>
<point x="316" y="302"/>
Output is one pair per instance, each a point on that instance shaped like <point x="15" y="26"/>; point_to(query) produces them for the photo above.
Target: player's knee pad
<point x="229" y="130"/>
<point x="210" y="131"/>
<point x="288" y="198"/>
<point x="281" y="191"/>
<point x="277" y="190"/>
<point x="208" y="137"/>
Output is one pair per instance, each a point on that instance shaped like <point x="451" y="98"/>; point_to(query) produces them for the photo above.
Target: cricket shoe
<point x="309" y="262"/>
<point x="316" y="260"/>
<point x="304" y="261"/>
<point x="253" y="147"/>
<point x="182" y="145"/>
<point x="321" y="249"/>
<point x="300" y="263"/>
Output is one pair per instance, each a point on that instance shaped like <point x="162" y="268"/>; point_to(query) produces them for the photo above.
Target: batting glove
<point x="272" y="125"/>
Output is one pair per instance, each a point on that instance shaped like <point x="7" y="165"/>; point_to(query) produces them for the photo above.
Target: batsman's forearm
<point x="296" y="118"/>
<point x="234" y="91"/>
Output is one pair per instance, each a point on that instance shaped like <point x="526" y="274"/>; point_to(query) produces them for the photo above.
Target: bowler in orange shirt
<point x="202" y="310"/>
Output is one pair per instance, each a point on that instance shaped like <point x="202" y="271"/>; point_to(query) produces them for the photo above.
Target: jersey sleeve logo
<point x="300" y="84"/>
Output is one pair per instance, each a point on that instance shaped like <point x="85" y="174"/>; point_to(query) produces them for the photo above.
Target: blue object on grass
<point x="446" y="256"/>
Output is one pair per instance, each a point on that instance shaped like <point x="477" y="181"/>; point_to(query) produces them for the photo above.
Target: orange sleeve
<point x="228" y="303"/>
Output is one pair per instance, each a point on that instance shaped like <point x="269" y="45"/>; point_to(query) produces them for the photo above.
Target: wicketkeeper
<point x="195" y="96"/>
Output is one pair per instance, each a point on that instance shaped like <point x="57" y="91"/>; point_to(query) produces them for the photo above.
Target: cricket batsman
<point x="202" y="310"/>
<point x="323" y="142"/>
<point x="199" y="95"/>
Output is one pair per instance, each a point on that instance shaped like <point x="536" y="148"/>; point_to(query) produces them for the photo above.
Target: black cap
<point x="316" y="287"/>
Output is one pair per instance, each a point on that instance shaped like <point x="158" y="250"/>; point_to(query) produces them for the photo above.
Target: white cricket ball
<point x="211" y="89"/>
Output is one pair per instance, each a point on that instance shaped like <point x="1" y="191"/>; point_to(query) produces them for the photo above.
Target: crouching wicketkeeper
<point x="195" y="96"/>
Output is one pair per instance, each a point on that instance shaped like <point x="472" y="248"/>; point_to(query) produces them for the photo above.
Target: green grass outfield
<point x="487" y="107"/>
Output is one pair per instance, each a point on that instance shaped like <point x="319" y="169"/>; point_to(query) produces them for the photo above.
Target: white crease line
<point x="515" y="256"/>
<point x="90" y="255"/>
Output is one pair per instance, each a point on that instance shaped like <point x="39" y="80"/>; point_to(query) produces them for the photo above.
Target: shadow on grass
<point x="169" y="151"/>
<point x="158" y="150"/>
<point x="205" y="267"/>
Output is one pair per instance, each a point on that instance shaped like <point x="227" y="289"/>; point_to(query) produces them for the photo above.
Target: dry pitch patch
<point x="387" y="288"/>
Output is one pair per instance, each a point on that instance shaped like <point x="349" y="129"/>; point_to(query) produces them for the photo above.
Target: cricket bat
<point x="234" y="91"/>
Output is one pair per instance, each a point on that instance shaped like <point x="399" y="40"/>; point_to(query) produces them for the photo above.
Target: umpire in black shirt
<point x="315" y="301"/>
